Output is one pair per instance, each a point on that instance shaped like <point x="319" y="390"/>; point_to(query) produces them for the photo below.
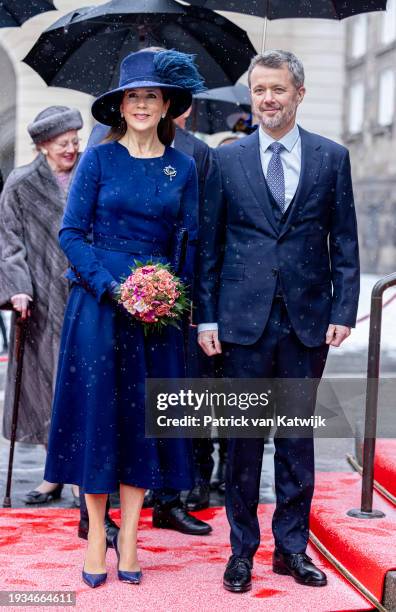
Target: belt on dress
<point x="124" y="245"/>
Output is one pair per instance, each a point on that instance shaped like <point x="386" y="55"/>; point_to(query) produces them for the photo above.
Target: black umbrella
<point x="213" y="116"/>
<point x="284" y="9"/>
<point x="279" y="9"/>
<point x="217" y="110"/>
<point x="83" y="50"/>
<point x="15" y="12"/>
<point x="236" y="94"/>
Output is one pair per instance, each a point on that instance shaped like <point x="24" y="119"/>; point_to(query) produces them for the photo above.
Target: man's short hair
<point x="276" y="58"/>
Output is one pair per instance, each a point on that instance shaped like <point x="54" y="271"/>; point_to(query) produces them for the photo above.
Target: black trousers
<point x="198" y="366"/>
<point x="277" y="354"/>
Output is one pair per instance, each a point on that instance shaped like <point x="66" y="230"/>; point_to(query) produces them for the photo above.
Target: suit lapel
<point x="311" y="162"/>
<point x="251" y="163"/>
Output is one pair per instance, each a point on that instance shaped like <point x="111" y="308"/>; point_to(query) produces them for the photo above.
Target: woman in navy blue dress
<point x="129" y="197"/>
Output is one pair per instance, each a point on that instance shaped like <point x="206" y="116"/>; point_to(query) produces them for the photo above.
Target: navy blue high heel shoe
<point x="130" y="577"/>
<point x="94" y="580"/>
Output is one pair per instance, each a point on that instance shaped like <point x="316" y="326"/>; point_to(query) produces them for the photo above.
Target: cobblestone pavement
<point x="330" y="453"/>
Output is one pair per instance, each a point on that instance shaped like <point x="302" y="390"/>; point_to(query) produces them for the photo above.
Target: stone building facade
<point x="370" y="133"/>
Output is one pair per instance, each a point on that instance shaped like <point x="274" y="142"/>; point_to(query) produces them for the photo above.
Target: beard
<point x="282" y="119"/>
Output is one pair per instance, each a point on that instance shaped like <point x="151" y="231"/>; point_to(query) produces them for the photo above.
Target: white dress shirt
<point x="291" y="162"/>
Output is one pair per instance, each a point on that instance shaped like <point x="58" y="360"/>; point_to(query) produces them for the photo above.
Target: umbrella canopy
<point x="213" y="116"/>
<point x="217" y="110"/>
<point x="236" y="94"/>
<point x="15" y="12"/>
<point x="279" y="9"/>
<point x="84" y="49"/>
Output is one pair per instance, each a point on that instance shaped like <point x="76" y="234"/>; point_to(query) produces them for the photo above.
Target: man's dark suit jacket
<point x="202" y="154"/>
<point x="243" y="250"/>
<point x="199" y="150"/>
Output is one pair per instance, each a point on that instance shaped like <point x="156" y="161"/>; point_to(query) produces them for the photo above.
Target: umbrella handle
<point x="265" y="24"/>
<point x="20" y="336"/>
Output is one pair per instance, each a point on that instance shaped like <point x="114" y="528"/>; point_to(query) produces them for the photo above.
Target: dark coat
<point x="243" y="250"/>
<point x="31" y="262"/>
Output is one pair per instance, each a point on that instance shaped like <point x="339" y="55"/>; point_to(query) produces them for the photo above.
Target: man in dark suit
<point x="278" y="284"/>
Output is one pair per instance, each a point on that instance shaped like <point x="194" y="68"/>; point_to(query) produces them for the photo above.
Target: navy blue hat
<point x="171" y="70"/>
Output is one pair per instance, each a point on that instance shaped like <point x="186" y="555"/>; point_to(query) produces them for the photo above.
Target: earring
<point x="44" y="151"/>
<point x="122" y="115"/>
<point x="163" y="115"/>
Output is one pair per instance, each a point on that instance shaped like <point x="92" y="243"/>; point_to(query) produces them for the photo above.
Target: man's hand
<point x="20" y="302"/>
<point x="336" y="334"/>
<point x="209" y="342"/>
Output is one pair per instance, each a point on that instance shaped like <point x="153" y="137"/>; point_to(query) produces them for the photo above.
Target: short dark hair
<point x="276" y="58"/>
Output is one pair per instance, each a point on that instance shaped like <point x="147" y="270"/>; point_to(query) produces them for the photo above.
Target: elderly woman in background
<point x="32" y="270"/>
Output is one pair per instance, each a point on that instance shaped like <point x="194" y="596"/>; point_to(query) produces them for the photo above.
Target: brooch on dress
<point x="170" y="171"/>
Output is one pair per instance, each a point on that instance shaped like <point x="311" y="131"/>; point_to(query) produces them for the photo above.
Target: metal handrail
<point x="370" y="428"/>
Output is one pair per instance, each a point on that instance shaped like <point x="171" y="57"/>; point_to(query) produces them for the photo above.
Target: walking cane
<point x="20" y="336"/>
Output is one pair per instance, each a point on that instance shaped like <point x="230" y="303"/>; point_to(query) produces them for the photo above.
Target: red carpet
<point x="39" y="550"/>
<point x="385" y="464"/>
<point x="366" y="547"/>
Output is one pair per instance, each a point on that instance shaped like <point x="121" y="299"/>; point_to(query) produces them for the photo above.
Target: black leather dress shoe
<point x="238" y="575"/>
<point x="300" y="566"/>
<point x="198" y="498"/>
<point x="177" y="518"/>
<point x="221" y="488"/>
<point x="110" y="526"/>
<point x="35" y="497"/>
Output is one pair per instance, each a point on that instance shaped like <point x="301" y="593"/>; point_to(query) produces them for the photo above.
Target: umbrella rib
<point x="70" y="52"/>
<point x="116" y="65"/>
<point x="333" y="4"/>
<point x="208" y="49"/>
<point x="12" y="14"/>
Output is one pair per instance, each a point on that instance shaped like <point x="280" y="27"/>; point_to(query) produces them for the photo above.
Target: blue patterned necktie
<point x="275" y="175"/>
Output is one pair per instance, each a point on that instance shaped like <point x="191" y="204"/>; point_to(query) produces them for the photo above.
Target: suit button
<point x="274" y="271"/>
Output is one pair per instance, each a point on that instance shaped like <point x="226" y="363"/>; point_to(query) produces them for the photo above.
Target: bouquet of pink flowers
<point x="154" y="295"/>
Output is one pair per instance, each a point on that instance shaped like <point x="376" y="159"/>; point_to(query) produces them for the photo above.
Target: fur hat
<point x="53" y="121"/>
<point x="171" y="70"/>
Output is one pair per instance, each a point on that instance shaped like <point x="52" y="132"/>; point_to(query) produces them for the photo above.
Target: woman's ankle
<point x="47" y="487"/>
<point x="96" y="533"/>
<point x="127" y="546"/>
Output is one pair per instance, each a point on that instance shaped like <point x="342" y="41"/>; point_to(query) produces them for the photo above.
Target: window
<point x="356" y="108"/>
<point x="359" y="36"/>
<point x="386" y="97"/>
<point x="388" y="24"/>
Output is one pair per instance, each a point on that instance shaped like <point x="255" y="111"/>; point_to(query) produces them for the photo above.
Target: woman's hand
<point x="20" y="302"/>
<point x="114" y="290"/>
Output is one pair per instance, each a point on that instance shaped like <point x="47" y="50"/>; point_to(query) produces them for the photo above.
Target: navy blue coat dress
<point x="131" y="209"/>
